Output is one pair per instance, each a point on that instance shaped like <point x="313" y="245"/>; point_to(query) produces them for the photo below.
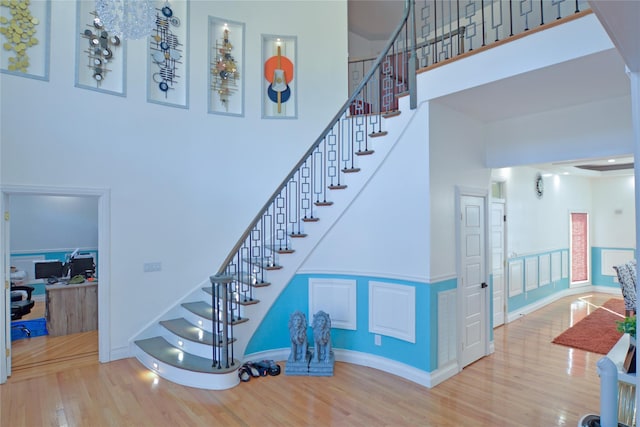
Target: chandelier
<point x="130" y="19"/>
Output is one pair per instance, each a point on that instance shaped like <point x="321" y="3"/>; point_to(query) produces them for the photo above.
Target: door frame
<point x="582" y="283"/>
<point x="505" y="307"/>
<point x="460" y="192"/>
<point x="104" y="261"/>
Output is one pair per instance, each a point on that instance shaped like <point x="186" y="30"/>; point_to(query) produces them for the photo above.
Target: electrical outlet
<point x="149" y="267"/>
<point x="377" y="339"/>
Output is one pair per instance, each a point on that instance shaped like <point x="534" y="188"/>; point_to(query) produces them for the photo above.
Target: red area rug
<point x="597" y="332"/>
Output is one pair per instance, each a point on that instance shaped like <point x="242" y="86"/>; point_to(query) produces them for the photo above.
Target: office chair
<point x="21" y="306"/>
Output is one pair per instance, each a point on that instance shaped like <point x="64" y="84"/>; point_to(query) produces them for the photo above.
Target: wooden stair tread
<point x="204" y="310"/>
<point x="298" y="235"/>
<point x="243" y="301"/>
<point x="265" y="263"/>
<point x="364" y="152"/>
<point x="323" y="203"/>
<point x="337" y="187"/>
<point x="351" y="170"/>
<point x="389" y="114"/>
<point x="378" y="134"/>
<point x="310" y="219"/>
<point x="251" y="280"/>
<point x="188" y="331"/>
<point x="164" y="352"/>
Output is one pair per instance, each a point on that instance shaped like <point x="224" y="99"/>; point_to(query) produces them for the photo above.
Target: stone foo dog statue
<point x="298" y="334"/>
<point x="321" y="336"/>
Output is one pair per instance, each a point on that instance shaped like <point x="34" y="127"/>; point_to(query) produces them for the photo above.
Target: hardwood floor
<point x="528" y="381"/>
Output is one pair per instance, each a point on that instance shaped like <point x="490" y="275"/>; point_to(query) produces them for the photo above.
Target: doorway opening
<point x="12" y="198"/>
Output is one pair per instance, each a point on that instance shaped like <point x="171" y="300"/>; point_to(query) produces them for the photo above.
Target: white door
<point x="497" y="262"/>
<point x="473" y="279"/>
<point x="5" y="309"/>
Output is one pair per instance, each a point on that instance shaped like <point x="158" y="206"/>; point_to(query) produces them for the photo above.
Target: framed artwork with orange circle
<point x="279" y="94"/>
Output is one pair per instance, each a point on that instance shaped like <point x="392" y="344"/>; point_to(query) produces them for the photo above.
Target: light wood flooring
<point x="528" y="381"/>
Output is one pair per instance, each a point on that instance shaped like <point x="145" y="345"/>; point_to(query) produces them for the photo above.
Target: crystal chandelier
<point x="130" y="19"/>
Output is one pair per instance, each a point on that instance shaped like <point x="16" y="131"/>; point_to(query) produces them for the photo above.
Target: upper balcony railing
<point x="446" y="29"/>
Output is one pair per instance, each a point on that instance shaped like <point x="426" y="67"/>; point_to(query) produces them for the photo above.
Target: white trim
<point x="388" y="322"/>
<point x="104" y="245"/>
<point x="415" y="375"/>
<point x="462" y="191"/>
<point x="122" y="352"/>
<point x="208" y="381"/>
<point x="367" y="274"/>
<point x="515" y="315"/>
<point x="337" y="297"/>
<point x="380" y="275"/>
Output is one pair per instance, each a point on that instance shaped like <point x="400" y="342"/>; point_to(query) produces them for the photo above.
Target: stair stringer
<point x="279" y="279"/>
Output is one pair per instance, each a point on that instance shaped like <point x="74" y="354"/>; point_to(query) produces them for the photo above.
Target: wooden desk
<point x="71" y="308"/>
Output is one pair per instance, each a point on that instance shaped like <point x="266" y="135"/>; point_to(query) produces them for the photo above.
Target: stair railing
<point x="320" y="170"/>
<point x="447" y="29"/>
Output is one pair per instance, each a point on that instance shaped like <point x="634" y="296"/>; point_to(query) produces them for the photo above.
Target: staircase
<point x="182" y="343"/>
<point x="201" y="341"/>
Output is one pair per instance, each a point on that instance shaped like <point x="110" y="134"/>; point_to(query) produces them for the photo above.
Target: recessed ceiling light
<point x="611" y="160"/>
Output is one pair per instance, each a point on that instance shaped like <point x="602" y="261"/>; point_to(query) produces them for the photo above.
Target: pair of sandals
<point x="258" y="369"/>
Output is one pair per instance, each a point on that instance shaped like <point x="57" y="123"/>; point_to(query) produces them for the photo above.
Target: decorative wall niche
<point x="25" y="31"/>
<point x="226" y="67"/>
<point x="279" y="94"/>
<point x="168" y="55"/>
<point x="100" y="56"/>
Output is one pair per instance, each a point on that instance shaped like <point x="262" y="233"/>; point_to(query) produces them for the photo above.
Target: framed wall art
<point x="25" y="28"/>
<point x="226" y="72"/>
<point x="100" y="56"/>
<point x="168" y="53"/>
<point x="279" y="94"/>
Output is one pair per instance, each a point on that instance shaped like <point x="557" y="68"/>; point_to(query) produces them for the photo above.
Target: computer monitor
<point x="82" y="265"/>
<point x="48" y="269"/>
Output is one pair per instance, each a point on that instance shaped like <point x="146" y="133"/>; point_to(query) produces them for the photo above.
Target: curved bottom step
<point x="183" y="368"/>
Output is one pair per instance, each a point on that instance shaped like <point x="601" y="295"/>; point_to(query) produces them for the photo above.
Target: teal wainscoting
<point x="273" y="333"/>
<point x="599" y="279"/>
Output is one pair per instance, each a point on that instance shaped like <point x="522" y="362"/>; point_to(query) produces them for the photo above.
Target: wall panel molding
<point x="392" y="310"/>
<point x="338" y="298"/>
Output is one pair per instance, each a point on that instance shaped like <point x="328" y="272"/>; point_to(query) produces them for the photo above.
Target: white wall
<point x="456" y="159"/>
<point x="40" y="223"/>
<point x="614" y="212"/>
<point x="565" y="134"/>
<point x="385" y="232"/>
<point x="361" y="48"/>
<point x="183" y="183"/>
<point x="542" y="224"/>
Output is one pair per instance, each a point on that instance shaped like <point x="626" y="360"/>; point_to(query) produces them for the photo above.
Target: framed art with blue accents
<point x="168" y="54"/>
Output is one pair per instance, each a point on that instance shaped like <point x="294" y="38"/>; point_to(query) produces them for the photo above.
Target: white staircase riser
<point x="186" y="377"/>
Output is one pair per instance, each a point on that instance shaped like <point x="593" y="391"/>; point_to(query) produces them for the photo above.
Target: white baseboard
<point x="418" y="376"/>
